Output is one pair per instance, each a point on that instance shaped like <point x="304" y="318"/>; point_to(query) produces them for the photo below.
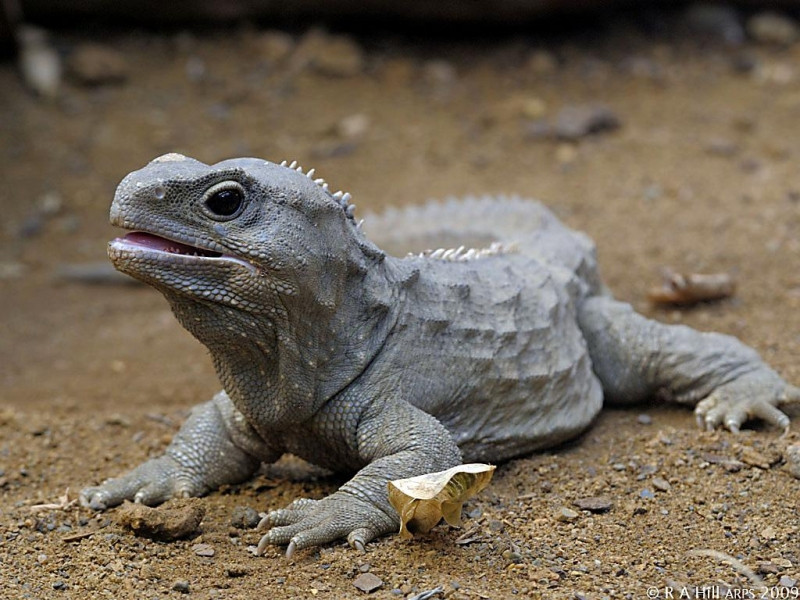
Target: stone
<point x="773" y="28"/>
<point x="595" y="504"/>
<point x="367" y="582"/>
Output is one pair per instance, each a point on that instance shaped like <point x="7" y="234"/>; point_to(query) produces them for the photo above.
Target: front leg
<point x="215" y="446"/>
<point x="636" y="358"/>
<point x="394" y="440"/>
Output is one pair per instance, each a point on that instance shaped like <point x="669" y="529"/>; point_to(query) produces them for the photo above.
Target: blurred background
<point x="668" y="131"/>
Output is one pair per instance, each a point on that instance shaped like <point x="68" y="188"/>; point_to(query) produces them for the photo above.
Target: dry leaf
<point x="422" y="501"/>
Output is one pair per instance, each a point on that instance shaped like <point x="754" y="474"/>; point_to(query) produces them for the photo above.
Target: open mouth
<point x="143" y="241"/>
<point x="155" y="242"/>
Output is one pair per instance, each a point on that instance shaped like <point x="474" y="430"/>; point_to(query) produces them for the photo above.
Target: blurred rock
<point x="439" y="73"/>
<point x="773" y="28"/>
<point x="542" y="63"/>
<point x="93" y="64"/>
<point x="352" y="127"/>
<point x="577" y="121"/>
<point x="196" y="70"/>
<point x="39" y="63"/>
<point x="722" y="147"/>
<point x="332" y="55"/>
<point x="718" y="21"/>
<point x="11" y="270"/>
<point x="274" y="46"/>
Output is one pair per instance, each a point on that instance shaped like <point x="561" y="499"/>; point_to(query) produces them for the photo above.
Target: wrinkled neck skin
<point x="282" y="365"/>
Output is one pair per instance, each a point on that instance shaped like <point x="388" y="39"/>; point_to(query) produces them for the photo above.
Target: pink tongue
<point x="148" y="240"/>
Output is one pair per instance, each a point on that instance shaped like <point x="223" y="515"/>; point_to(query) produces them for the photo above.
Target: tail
<point x="526" y="226"/>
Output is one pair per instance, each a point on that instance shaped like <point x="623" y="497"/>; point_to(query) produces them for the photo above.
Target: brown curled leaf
<point x="678" y="289"/>
<point x="422" y="501"/>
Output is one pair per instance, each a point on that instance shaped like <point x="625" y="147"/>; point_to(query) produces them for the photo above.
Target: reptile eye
<point x="224" y="200"/>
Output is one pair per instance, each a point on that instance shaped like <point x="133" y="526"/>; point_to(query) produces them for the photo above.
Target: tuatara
<point x="389" y="367"/>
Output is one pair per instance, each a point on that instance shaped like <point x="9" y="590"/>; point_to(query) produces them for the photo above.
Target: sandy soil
<point x="701" y="176"/>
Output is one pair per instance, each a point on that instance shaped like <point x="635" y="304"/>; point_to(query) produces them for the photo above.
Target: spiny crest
<point x="462" y="254"/>
<point x="341" y="198"/>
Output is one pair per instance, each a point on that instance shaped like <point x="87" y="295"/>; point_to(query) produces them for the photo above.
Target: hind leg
<point x="638" y="358"/>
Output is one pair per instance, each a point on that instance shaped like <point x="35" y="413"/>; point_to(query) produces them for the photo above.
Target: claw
<point x="700" y="420"/>
<point x="262" y="524"/>
<point x="359" y="546"/>
<point x="290" y="549"/>
<point x="262" y="545"/>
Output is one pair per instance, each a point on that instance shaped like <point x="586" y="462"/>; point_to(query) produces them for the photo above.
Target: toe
<point x="735" y="417"/>
<point x="702" y="409"/>
<point x="771" y="414"/>
<point x="715" y="416"/>
<point x="358" y="538"/>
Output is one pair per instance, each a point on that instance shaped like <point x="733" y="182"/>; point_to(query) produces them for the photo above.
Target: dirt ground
<point x="701" y="176"/>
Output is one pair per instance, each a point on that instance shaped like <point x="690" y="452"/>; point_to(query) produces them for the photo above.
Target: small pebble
<point x="234" y="570"/>
<point x="596" y="504"/>
<point x="203" y="550"/>
<point x="496" y="526"/>
<point x="751" y="456"/>
<point x="722" y="147"/>
<point x="644" y="419"/>
<point x="244" y="517"/>
<point x="368" y="582"/>
<point x="788" y="582"/>
<point x="661" y="484"/>
<point x="648" y="494"/>
<point x="566" y="515"/>
<point x="578" y="121"/>
<point x="793" y="459"/>
<point x="181" y="586"/>
<point x="767" y="568"/>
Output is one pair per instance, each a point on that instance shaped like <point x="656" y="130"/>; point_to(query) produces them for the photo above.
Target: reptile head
<point x="240" y="233"/>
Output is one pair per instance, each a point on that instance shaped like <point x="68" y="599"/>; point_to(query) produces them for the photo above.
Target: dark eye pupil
<point x="224" y="202"/>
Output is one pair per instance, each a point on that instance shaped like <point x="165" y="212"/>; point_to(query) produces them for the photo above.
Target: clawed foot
<point x="308" y="522"/>
<point x="755" y="395"/>
<point x="152" y="482"/>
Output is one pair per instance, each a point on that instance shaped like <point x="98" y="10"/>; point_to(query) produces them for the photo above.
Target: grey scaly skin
<point x="333" y="350"/>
